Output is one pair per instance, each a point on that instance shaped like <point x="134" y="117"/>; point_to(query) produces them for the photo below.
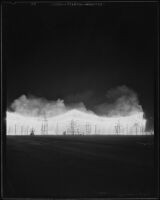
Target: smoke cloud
<point x="120" y="101"/>
<point x="33" y="106"/>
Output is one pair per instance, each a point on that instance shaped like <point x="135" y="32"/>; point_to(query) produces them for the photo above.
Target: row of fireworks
<point x="73" y="129"/>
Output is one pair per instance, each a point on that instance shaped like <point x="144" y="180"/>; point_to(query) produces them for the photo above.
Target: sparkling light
<point x="76" y="122"/>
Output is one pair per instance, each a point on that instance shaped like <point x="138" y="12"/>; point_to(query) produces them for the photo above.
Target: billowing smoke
<point x="120" y="101"/>
<point x="33" y="106"/>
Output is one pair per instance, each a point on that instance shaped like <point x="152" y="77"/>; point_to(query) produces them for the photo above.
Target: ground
<point x="79" y="166"/>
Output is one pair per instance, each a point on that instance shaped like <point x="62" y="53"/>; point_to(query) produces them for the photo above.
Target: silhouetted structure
<point x="32" y="132"/>
<point x="44" y="127"/>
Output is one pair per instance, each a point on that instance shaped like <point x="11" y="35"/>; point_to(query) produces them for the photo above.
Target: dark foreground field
<point x="79" y="166"/>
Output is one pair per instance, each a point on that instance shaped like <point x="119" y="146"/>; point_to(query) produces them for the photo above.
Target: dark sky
<point x="62" y="51"/>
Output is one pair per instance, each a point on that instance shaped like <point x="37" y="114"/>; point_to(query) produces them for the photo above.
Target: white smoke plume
<point x="33" y="106"/>
<point x="121" y="101"/>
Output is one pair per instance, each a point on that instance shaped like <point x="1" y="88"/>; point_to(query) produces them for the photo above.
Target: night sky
<point x="78" y="53"/>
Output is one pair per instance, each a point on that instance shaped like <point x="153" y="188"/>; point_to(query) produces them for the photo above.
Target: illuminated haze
<point x="120" y="101"/>
<point x="120" y="114"/>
